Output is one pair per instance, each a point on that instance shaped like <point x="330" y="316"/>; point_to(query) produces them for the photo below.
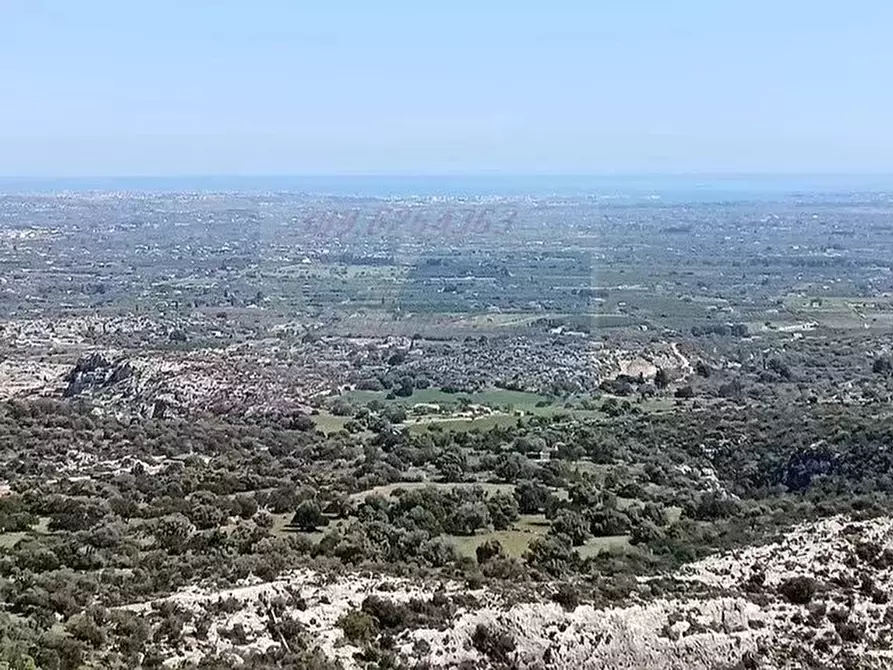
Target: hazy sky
<point x="160" y="87"/>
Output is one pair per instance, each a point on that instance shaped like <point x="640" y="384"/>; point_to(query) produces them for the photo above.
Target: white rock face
<point x="754" y="622"/>
<point x="639" y="636"/>
<point x="28" y="376"/>
<point x="852" y="565"/>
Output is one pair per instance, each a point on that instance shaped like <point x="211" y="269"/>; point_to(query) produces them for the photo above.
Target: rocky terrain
<point x="282" y="371"/>
<point x="817" y="598"/>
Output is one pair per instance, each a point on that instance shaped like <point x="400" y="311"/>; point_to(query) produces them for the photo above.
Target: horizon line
<point x="465" y="174"/>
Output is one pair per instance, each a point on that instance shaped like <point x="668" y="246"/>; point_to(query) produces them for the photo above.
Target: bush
<point x="551" y="554"/>
<point x="712" y="506"/>
<point x="882" y="366"/>
<point x="490" y="549"/>
<point x="389" y="615"/>
<point x="495" y="645"/>
<point x="850" y="631"/>
<point x="567" y="596"/>
<point x="342" y="407"/>
<point x="798" y="590"/>
<point x="503" y="510"/>
<point x="359" y="627"/>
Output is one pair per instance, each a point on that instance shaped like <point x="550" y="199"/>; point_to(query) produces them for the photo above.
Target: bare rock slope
<point x="817" y="598"/>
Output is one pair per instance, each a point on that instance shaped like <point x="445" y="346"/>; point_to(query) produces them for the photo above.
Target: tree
<point x="14" y="514"/>
<point x="503" y="510"/>
<point x="798" y="590"/>
<point x="661" y="379"/>
<point x="584" y="495"/>
<point x="405" y="388"/>
<point x="779" y="367"/>
<point x="511" y="467"/>
<point x="245" y="506"/>
<point x="712" y="506"/>
<point x="282" y="499"/>
<point x="397" y="357"/>
<point x="173" y="533"/>
<point x="532" y="497"/>
<point x="468" y="517"/>
<point x="606" y="521"/>
<point x="264" y="519"/>
<point x="75" y="514"/>
<point x="437" y="552"/>
<point x="84" y="627"/>
<point x="308" y="516"/>
<point x="644" y="532"/>
<point x="569" y="452"/>
<point x="452" y="463"/>
<point x="567" y="596"/>
<point x="342" y="407"/>
<point x="207" y="516"/>
<point x="299" y="421"/>
<point x="572" y="525"/>
<point x="395" y="413"/>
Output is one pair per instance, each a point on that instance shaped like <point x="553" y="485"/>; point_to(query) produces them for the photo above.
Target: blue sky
<point x="167" y="87"/>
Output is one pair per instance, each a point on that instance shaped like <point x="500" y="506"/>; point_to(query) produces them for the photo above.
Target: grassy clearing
<point x="514" y="540"/>
<point x="388" y="490"/>
<point x="495" y="398"/>
<point x="504" y="398"/>
<point x="597" y="545"/>
<point x="841" y="312"/>
<point x="657" y="405"/>
<point x="9" y="539"/>
<point x="498" y="320"/>
<point x="281" y="527"/>
<point x="464" y="424"/>
<point x="329" y="423"/>
<point x="511" y="406"/>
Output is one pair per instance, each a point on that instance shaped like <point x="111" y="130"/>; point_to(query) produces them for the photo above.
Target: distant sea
<point x="687" y="188"/>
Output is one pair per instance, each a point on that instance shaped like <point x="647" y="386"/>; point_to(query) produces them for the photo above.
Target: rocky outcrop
<point x="95" y="372"/>
<point x="128" y="385"/>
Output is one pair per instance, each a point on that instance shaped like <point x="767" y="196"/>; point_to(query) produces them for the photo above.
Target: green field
<point x="388" y="490"/>
<point x="11" y="538"/>
<point x="596" y="545"/>
<point x="282" y="527"/>
<point x="329" y="423"/>
<point x="465" y="424"/>
<point x="495" y="398"/>
<point x="514" y="540"/>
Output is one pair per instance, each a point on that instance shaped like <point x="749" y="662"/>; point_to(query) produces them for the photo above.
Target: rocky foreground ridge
<point x="816" y="599"/>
